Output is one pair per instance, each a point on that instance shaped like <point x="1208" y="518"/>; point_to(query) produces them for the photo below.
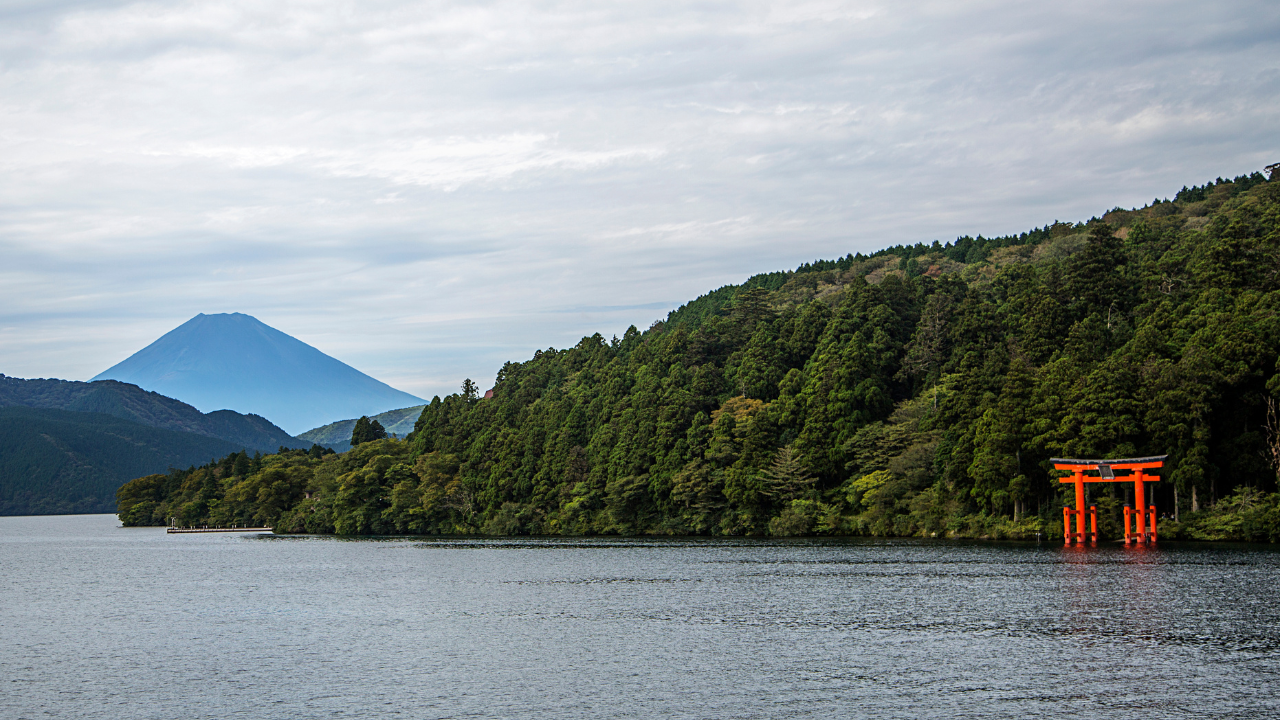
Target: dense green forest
<point x="919" y="391"/>
<point x="60" y="462"/>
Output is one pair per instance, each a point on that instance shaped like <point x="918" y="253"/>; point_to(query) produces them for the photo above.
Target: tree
<point x="362" y="432"/>
<point x="242" y="466"/>
<point x="1095" y="278"/>
<point x="1271" y="451"/>
<point x="787" y="478"/>
<point x="469" y="390"/>
<point x="367" y="430"/>
<point x="928" y="345"/>
<point x="751" y="307"/>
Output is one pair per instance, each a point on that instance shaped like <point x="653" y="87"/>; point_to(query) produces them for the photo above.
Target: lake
<point x="99" y="621"/>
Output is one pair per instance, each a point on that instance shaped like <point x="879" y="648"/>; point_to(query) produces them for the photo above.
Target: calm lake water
<point x="98" y="621"/>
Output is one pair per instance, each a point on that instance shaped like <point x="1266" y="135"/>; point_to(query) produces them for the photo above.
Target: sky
<point x="425" y="190"/>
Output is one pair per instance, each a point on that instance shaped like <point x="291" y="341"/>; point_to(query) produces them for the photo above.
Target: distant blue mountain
<point x="236" y="362"/>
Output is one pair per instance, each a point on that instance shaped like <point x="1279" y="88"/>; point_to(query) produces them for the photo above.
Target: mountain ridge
<point x="56" y="462"/>
<point x="130" y="402"/>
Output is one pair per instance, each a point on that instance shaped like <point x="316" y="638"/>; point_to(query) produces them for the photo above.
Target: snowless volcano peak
<point x="236" y="362"/>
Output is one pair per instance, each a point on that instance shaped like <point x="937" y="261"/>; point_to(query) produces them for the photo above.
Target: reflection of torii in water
<point x="1106" y="473"/>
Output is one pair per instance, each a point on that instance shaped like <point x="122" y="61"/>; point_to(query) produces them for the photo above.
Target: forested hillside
<point x="59" y="462"/>
<point x="917" y="391"/>
<point x="130" y="402"/>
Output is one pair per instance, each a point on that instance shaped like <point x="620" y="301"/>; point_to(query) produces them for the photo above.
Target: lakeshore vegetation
<point x="918" y="391"/>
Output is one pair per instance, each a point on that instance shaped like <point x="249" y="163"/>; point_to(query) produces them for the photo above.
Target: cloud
<point x="428" y="189"/>
<point x="439" y="163"/>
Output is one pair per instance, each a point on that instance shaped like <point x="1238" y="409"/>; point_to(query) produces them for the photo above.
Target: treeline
<point x="237" y="490"/>
<point x="917" y="391"/>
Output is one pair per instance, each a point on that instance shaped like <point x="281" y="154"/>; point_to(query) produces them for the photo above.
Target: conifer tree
<point x="787" y="478"/>
<point x="362" y="432"/>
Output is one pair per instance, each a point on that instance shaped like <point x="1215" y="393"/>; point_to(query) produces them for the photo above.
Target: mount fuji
<point x="236" y="362"/>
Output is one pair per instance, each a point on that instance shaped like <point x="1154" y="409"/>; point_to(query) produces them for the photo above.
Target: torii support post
<point x="1067" y="513"/>
<point x="1079" y="478"/>
<point x="1140" y="502"/>
<point x="1145" y="533"/>
<point x="1144" y="515"/>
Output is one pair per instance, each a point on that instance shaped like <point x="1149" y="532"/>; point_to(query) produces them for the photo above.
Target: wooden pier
<point x="172" y="529"/>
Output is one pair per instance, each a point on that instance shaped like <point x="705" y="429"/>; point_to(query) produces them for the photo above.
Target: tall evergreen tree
<point x="362" y="432"/>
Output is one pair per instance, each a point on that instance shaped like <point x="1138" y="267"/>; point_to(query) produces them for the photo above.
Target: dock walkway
<point x="213" y="530"/>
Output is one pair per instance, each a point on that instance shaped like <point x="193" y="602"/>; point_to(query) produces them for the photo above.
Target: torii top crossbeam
<point x="1102" y="466"/>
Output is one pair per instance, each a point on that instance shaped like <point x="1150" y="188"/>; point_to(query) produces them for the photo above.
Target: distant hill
<point x="130" y="402"/>
<point x="60" y="462"/>
<point x="337" y="435"/>
<point x="234" y="361"/>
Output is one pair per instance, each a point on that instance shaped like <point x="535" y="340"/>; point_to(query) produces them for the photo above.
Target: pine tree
<point x="362" y="432"/>
<point x="787" y="478"/>
<point x="242" y="465"/>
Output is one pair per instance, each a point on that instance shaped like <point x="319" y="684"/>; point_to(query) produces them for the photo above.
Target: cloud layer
<point x="425" y="190"/>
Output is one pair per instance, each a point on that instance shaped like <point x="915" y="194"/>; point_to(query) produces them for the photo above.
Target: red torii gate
<point x="1106" y="473"/>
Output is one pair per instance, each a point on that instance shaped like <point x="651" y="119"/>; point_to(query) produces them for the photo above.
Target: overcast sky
<point x="425" y="190"/>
